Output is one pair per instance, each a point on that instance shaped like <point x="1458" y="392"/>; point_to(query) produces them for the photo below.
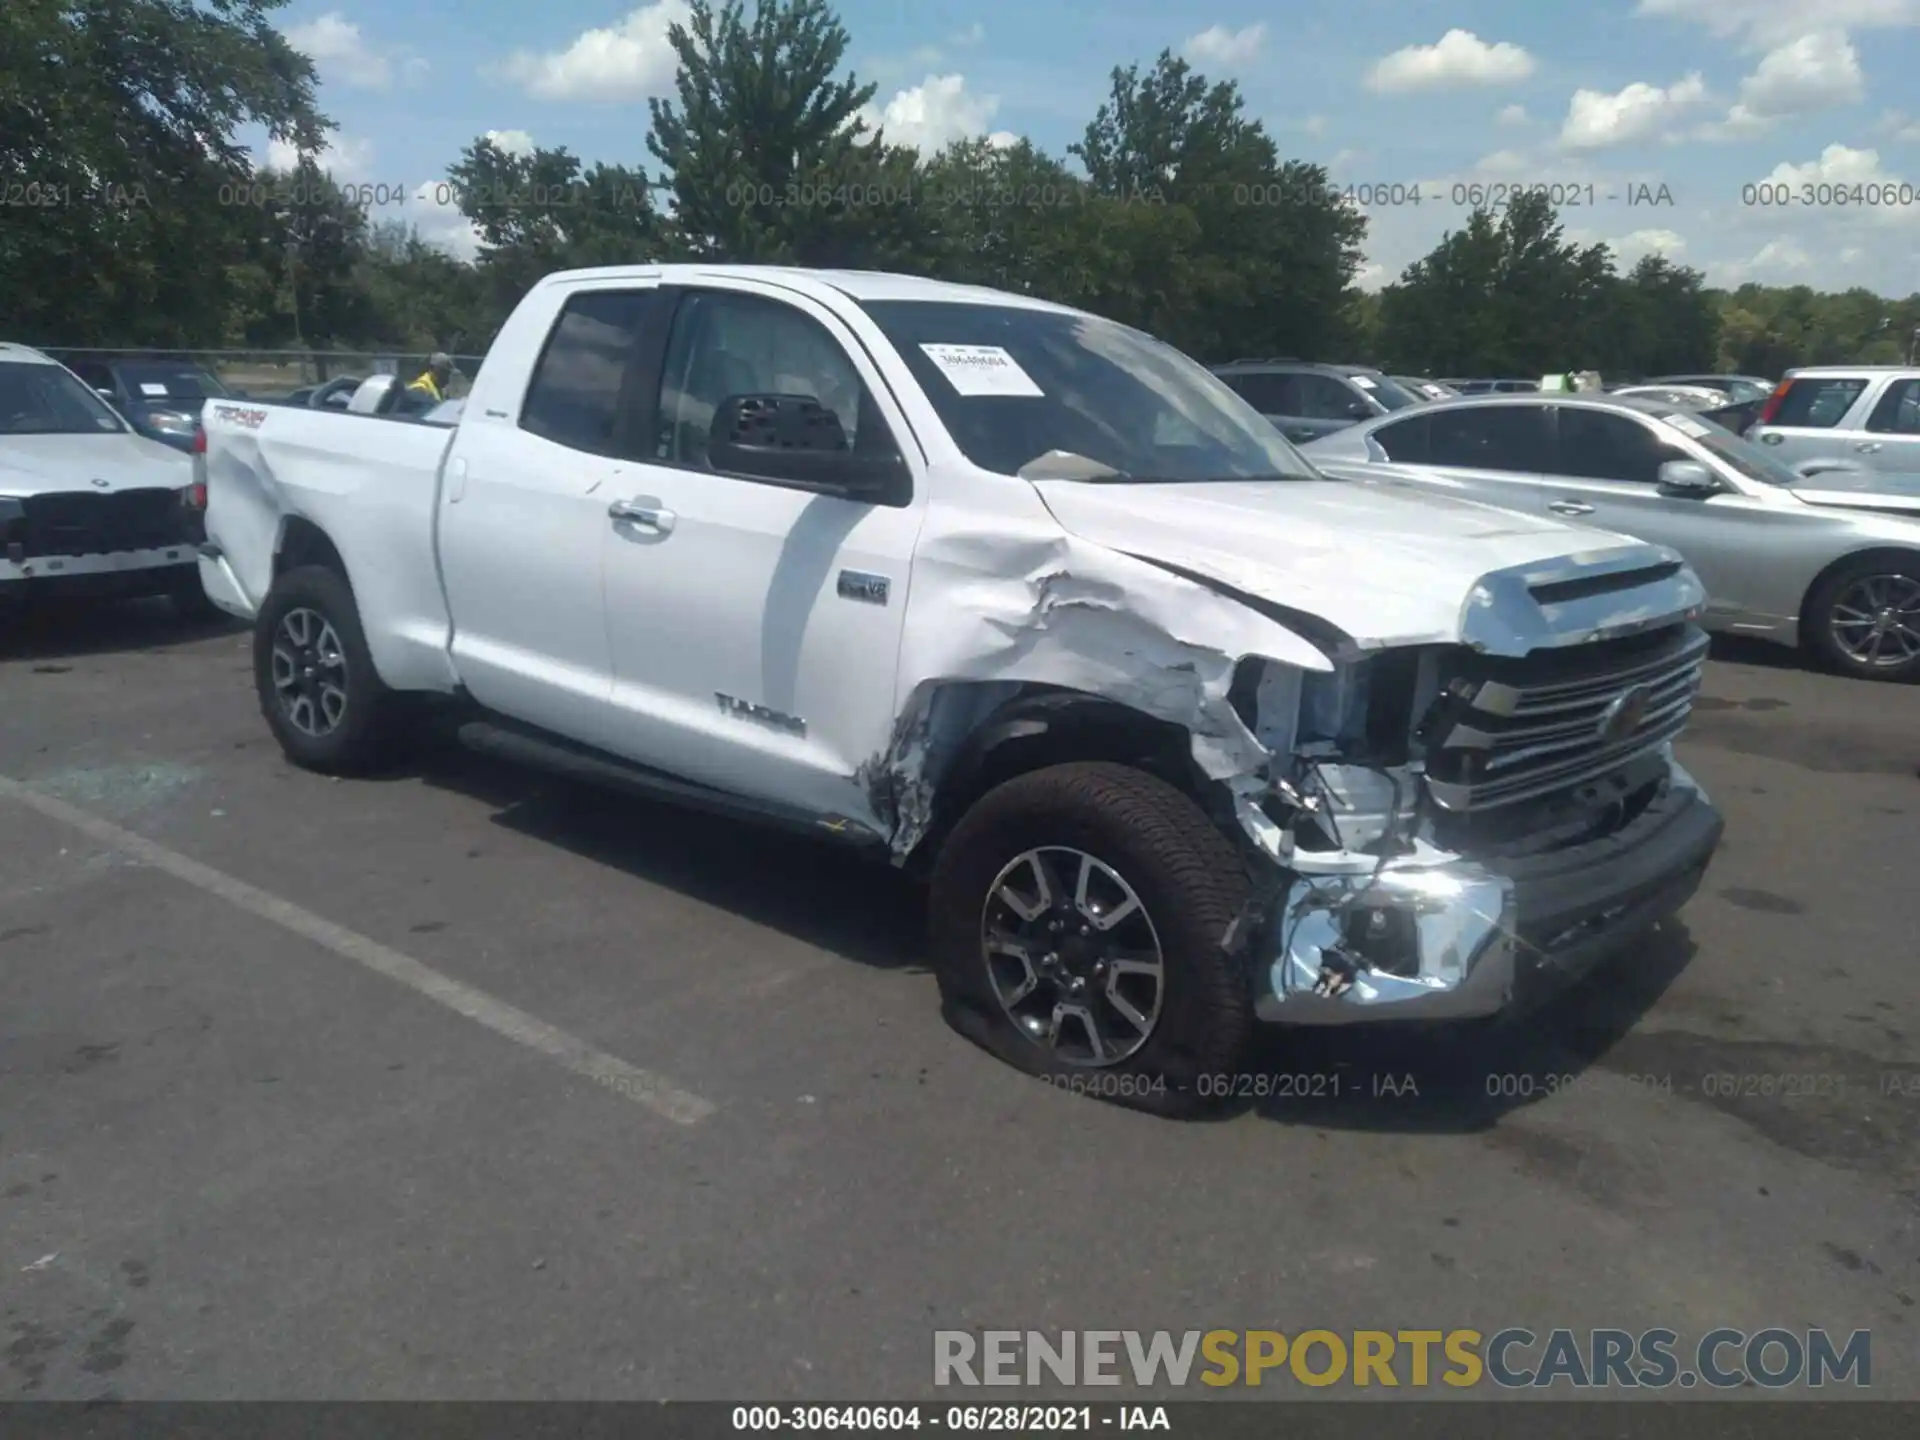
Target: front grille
<point x="72" y="523"/>
<point x="1507" y="731"/>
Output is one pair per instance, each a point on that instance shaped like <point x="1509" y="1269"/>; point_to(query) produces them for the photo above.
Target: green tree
<point x="1505" y="295"/>
<point x="545" y="211"/>
<point x="120" y="116"/>
<point x="1270" y="251"/>
<point x="767" y="154"/>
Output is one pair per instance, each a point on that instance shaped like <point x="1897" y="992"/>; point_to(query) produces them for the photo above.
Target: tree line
<point x="134" y="217"/>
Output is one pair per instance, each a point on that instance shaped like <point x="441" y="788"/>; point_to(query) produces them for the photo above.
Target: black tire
<point x="370" y="727"/>
<point x="189" y="598"/>
<point x="1897" y="572"/>
<point x="1190" y="881"/>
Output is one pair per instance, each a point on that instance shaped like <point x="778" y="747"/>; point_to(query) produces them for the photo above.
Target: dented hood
<point x="1384" y="562"/>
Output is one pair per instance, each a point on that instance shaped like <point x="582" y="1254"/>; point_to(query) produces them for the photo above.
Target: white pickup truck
<point x="1184" y="735"/>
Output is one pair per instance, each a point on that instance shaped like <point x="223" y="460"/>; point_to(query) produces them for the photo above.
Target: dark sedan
<point x="161" y="399"/>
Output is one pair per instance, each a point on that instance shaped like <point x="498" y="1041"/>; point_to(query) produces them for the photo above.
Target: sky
<point x="1756" y="140"/>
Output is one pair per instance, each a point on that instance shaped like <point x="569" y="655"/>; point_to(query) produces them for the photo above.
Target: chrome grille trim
<point x="1514" y="741"/>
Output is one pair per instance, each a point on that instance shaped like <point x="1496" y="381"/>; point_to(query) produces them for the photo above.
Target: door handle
<point x="651" y="514"/>
<point x="1570" y="507"/>
<point x="1867" y="447"/>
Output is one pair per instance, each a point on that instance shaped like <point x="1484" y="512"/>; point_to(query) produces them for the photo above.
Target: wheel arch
<point x="1908" y="553"/>
<point x="304" y="543"/>
<point x="1040" y="725"/>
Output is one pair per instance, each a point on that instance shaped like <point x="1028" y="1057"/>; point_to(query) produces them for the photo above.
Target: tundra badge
<point x="859" y="585"/>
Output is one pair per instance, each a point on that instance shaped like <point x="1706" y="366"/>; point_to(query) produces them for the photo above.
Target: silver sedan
<point x="1828" y="562"/>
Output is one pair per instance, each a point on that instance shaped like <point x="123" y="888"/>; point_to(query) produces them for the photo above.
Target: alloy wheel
<point x="1073" y="956"/>
<point x="1875" y="621"/>
<point x="309" y="672"/>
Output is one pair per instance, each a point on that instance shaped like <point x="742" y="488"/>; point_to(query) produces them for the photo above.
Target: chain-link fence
<point x="272" y="373"/>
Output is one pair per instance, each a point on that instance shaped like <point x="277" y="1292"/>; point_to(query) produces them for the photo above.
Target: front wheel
<point x="318" y="690"/>
<point x="1078" y="914"/>
<point x="1864" y="618"/>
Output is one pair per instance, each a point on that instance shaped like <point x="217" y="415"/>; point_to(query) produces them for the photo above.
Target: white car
<point x="87" y="506"/>
<point x="1184" y="735"/>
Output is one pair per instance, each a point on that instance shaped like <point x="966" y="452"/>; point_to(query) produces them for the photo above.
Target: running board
<point x="525" y="745"/>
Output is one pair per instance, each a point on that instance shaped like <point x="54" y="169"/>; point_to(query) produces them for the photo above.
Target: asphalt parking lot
<point x="470" y="1084"/>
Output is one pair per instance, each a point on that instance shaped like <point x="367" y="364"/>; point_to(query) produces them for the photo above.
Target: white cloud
<point x="343" y="157"/>
<point x="1596" y="120"/>
<point x="438" y="221"/>
<point x="1897" y="125"/>
<point x="1223" y="48"/>
<point x="1631" y="248"/>
<point x="631" y="60"/>
<point x="1778" y="262"/>
<point x="1314" y="124"/>
<point x="512" y="142"/>
<point x="1818" y="71"/>
<point x="1514" y="115"/>
<point x="1765" y="24"/>
<point x="1505" y="162"/>
<point x="1372" y="277"/>
<point x="972" y="35"/>
<point x="1459" y="58"/>
<point x="341" y="52"/>
<point x="933" y="114"/>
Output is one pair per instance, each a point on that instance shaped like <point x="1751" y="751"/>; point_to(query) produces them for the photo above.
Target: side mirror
<point x="1359" y="410"/>
<point x="1688" y="480"/>
<point x="105" y="392"/>
<point x="796" y="439"/>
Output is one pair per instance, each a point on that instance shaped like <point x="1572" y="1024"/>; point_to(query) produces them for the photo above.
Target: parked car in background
<point x="1424" y="388"/>
<point x="1856" y="419"/>
<point x="88" y="507"/>
<point x="1801" y="560"/>
<point x="1492" y="387"/>
<point x="160" y="399"/>
<point x="1738" y="388"/>
<point x="1687" y="397"/>
<point x="1306" y="400"/>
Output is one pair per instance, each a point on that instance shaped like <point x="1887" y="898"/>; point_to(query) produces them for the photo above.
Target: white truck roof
<point x="856" y="284"/>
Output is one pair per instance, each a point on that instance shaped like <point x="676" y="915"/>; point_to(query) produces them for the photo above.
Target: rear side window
<point x="574" y="396"/>
<point x="1818" y="402"/>
<point x="1898" y="412"/>
<point x="1406" y="441"/>
<point x="1492" y="437"/>
<point x="1269" y="394"/>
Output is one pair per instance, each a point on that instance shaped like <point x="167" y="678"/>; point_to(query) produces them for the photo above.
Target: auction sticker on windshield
<point x="147" y="387"/>
<point x="1687" y="425"/>
<point x="981" y="370"/>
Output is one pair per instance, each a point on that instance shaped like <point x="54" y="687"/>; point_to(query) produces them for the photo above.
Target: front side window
<point x="40" y="399"/>
<point x="1600" y="445"/>
<point x="1013" y="384"/>
<point x="574" y="396"/>
<point x="1324" y="398"/>
<point x="1492" y="437"/>
<point x="726" y="345"/>
<point x="1387" y="391"/>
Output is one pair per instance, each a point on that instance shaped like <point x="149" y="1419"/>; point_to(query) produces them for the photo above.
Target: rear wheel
<point x="318" y="689"/>
<point x="1864" y="618"/>
<point x="1078" y="913"/>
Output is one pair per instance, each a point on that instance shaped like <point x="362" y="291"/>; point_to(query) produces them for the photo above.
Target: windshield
<point x="1390" y="392"/>
<point x="1743" y="455"/>
<point x="45" y="400"/>
<point x="159" y="380"/>
<point x="1012" y="385"/>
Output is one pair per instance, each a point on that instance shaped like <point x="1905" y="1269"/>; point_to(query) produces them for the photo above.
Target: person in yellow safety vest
<point x="432" y="381"/>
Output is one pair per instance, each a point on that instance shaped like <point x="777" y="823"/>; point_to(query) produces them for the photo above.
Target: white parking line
<point x="643" y="1087"/>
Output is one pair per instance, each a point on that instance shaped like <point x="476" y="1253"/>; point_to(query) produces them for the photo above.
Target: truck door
<point x="755" y="625"/>
<point x="523" y="523"/>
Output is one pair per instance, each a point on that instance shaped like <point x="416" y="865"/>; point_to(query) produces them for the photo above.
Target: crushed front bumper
<point x="1447" y="938"/>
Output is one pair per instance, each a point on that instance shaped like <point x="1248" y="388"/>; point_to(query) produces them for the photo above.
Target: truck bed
<point x="369" y="482"/>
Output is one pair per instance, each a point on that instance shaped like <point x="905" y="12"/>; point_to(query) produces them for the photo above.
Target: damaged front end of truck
<point x="1433" y="826"/>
